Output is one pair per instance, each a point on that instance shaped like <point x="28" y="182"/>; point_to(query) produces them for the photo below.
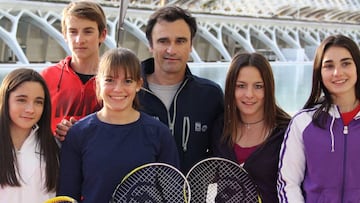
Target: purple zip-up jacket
<point x="320" y="165"/>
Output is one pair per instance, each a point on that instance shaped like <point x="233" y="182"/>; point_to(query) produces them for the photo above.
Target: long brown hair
<point x="273" y="114"/>
<point x="48" y="146"/>
<point x="319" y="94"/>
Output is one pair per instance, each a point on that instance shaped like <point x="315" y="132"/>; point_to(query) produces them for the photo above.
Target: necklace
<point x="247" y="125"/>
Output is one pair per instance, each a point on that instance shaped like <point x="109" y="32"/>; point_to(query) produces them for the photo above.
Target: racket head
<point x="61" y="199"/>
<point x="152" y="183"/>
<point x="217" y="179"/>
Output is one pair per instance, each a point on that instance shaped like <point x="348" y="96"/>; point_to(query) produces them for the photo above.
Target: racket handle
<point x="59" y="199"/>
<point x="211" y="193"/>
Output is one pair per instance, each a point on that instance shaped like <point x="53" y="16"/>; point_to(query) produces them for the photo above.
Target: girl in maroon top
<point x="253" y="125"/>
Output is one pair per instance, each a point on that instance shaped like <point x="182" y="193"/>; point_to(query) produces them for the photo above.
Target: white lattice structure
<point x="283" y="30"/>
<point x="324" y="10"/>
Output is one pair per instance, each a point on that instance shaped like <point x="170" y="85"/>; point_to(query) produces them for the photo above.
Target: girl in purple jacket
<point x="320" y="152"/>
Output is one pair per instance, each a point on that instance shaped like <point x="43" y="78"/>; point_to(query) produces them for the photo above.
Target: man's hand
<point x="63" y="127"/>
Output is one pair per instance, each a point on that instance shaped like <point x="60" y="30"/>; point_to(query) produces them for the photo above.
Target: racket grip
<point x="59" y="199"/>
<point x="211" y="193"/>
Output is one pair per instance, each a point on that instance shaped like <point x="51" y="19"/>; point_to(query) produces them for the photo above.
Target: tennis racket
<point x="153" y="183"/>
<point x="61" y="199"/>
<point x="218" y="180"/>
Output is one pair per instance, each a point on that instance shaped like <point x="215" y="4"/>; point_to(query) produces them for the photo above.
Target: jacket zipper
<point x="345" y="131"/>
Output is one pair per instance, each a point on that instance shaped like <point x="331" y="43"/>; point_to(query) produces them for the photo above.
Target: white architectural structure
<point x="283" y="30"/>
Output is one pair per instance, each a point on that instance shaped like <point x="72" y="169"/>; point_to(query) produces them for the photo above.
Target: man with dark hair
<point x="188" y="104"/>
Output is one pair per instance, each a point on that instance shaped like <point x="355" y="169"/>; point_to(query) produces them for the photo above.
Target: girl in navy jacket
<point x="103" y="147"/>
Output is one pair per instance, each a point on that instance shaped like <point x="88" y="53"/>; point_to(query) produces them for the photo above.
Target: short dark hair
<point x="170" y="14"/>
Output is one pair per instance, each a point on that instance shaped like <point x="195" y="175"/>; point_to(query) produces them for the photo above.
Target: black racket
<point x="153" y="183"/>
<point x="218" y="180"/>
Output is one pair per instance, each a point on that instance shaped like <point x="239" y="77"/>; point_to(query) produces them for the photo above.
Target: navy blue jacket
<point x="96" y="156"/>
<point x="196" y="105"/>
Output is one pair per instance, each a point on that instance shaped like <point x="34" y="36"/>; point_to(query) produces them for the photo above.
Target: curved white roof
<point x="30" y="30"/>
<point x="320" y="10"/>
